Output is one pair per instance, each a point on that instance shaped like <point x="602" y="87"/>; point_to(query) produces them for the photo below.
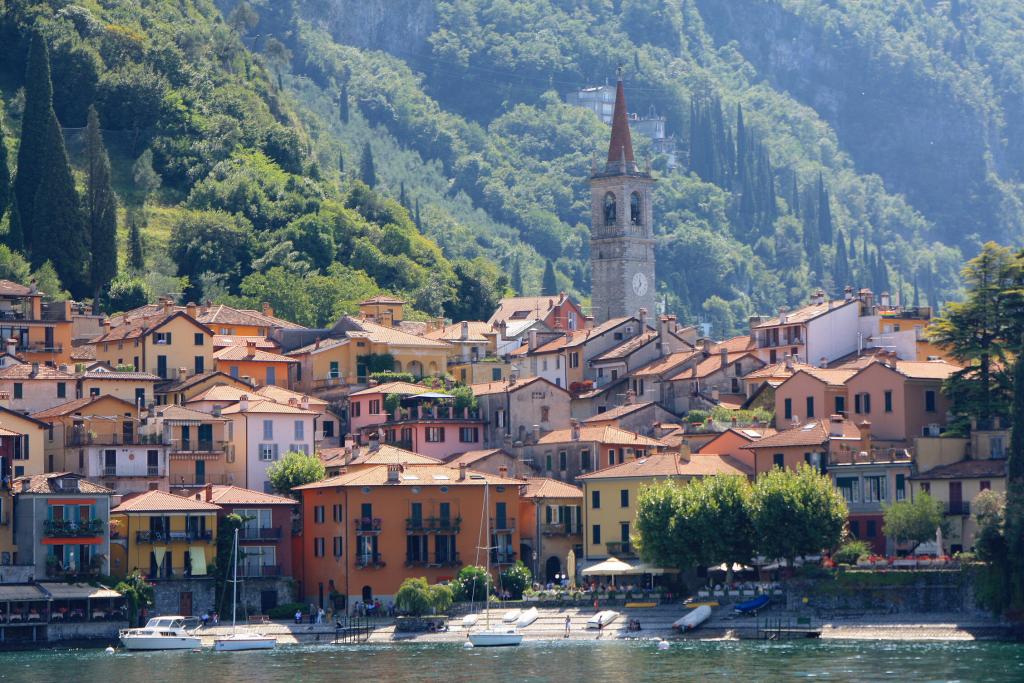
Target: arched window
<point x="609" y="209"/>
<point x="634" y="208"/>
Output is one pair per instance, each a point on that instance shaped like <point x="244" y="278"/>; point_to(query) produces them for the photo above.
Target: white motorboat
<point x="237" y="642"/>
<point x="602" y="618"/>
<point x="511" y="616"/>
<point x="693" y="618"/>
<point x="161" y="633"/>
<point x="470" y="620"/>
<point x="527" y="617"/>
<point x="499" y="637"/>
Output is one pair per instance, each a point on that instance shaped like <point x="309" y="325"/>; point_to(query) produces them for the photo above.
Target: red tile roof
<point x="966" y="469"/>
<point x="605" y="434"/>
<point x="712" y="364"/>
<point x="469" y="458"/>
<point x="667" y="363"/>
<point x="236" y="495"/>
<point x="545" y="487"/>
<point x="410" y="475"/>
<point x="813" y="433"/>
<point x="501" y="386"/>
<point x="619" y="411"/>
<point x="161" y="501"/>
<point x="400" y="388"/>
<point x="9" y="288"/>
<point x="478" y="332"/>
<point x="77" y="405"/>
<point x="255" y="354"/>
<point x="672" y="465"/>
<point x="31" y="371"/>
<point x="44" y="483"/>
<point x="629" y="346"/>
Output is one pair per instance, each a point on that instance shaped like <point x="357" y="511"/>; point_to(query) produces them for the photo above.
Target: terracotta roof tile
<point x="266" y="406"/>
<point x="813" y="433"/>
<point x="161" y="501"/>
<point x="236" y="495"/>
<point x="83" y="352"/>
<point x="712" y="364"/>
<point x="222" y="314"/>
<point x="930" y="369"/>
<point x="318" y="346"/>
<point x="77" y="405"/>
<point x="478" y="332"/>
<point x="131" y="375"/>
<point x="411" y="475"/>
<point x="174" y="412"/>
<point x="545" y="487"/>
<point x="525" y="308"/>
<point x="672" y="465"/>
<point x="384" y="454"/>
<point x="469" y="458"/>
<point x="667" y="363"/>
<point x="400" y="388"/>
<point x="618" y="412"/>
<point x="501" y="386"/>
<point x="182" y="384"/>
<point x="222" y="340"/>
<point x="605" y="434"/>
<point x="381" y="334"/>
<point x="41" y="372"/>
<point x="966" y="469"/>
<point x="629" y="346"/>
<point x="281" y="395"/>
<point x="9" y="288"/>
<point x="221" y="392"/>
<point x="44" y="483"/>
<point x="254" y="354"/>
<point x="807" y="313"/>
<point x="383" y="299"/>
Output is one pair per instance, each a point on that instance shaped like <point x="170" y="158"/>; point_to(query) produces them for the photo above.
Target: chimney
<point x="243" y="403"/>
<point x="182" y="374"/>
<point x="462" y="471"/>
<point x="106" y="325"/>
<point x="316" y="344"/>
<point x="250" y="349"/>
<point x="715" y="395"/>
<point x="723" y="355"/>
<point x="353" y="452"/>
<point x="533" y="340"/>
<point x="373" y="441"/>
<point x="190" y="308"/>
<point x="168" y="304"/>
<point x="630" y="397"/>
<point x="267" y="310"/>
<point x="684" y="453"/>
<point x="835" y="425"/>
<point x="12" y="347"/>
<point x="536" y="433"/>
<point x="394" y="470"/>
<point x="217" y="410"/>
<point x="865" y="435"/>
<point x="206" y="306"/>
<point x="788" y="360"/>
<point x="33" y="287"/>
<point x="35" y="369"/>
<point x="848" y="293"/>
<point x="208" y="493"/>
<point x="292" y="402"/>
<point x="512" y="379"/>
<point x="305" y="402"/>
<point x="783" y="315"/>
<point x="503" y="471"/>
<point x="574" y="429"/>
<point x="823" y="362"/>
<point x="884" y="300"/>
<point x="464" y="330"/>
<point x="643" y="320"/>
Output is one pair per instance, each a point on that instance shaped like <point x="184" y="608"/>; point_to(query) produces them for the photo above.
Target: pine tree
<point x="15" y="233"/>
<point x="367" y="171"/>
<point x="37" y="118"/>
<point x="841" y="266"/>
<point x="341" y="163"/>
<point x="549" y="285"/>
<point x="416" y="218"/>
<point x="824" y="213"/>
<point x="343" y="103"/>
<point x="917" y="293"/>
<point x="517" y="277"/>
<point x="100" y="207"/>
<point x="402" y="199"/>
<point x="136" y="250"/>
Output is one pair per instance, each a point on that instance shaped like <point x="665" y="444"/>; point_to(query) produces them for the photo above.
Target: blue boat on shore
<point x="751" y="606"/>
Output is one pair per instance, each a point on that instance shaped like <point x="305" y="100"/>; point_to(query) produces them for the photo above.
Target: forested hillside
<point x="309" y="152"/>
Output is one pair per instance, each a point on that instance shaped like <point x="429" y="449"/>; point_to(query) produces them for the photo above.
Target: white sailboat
<point x="241" y="641"/>
<point x="496" y="637"/>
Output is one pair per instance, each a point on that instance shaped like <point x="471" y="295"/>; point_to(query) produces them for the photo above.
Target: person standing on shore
<point x="568" y="625"/>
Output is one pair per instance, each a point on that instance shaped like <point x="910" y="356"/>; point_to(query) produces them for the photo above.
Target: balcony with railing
<point x="503" y="557"/>
<point x="561" y="529"/>
<point x="183" y="450"/>
<point x="444" y="525"/>
<point x="115" y="471"/>
<point x="87" y="437"/>
<point x="199" y="479"/>
<point x="59" y="528"/>
<point x="256" y="571"/>
<point x="620" y="548"/>
<point x="876" y="456"/>
<point x="958" y="507"/>
<point x="367" y="526"/>
<point x="272" y="533"/>
<point x="499" y="525"/>
<point x="369" y="560"/>
<point x="768" y="341"/>
<point x="173" y="536"/>
<point x="329" y="380"/>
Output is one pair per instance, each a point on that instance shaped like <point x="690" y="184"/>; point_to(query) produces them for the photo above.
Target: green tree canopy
<point x="100" y="207"/>
<point x="914" y="521"/>
<point x="294" y="469"/>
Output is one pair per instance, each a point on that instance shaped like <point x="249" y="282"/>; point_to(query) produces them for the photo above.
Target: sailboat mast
<point x="487" y="556"/>
<point x="234" y="586"/>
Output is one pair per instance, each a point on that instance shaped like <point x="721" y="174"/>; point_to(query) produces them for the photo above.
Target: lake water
<point x="569" y="662"/>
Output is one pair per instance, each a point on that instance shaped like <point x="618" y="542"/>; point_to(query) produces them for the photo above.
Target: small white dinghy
<point x="527" y="617"/>
<point x="692" y="619"/>
<point x="244" y="641"/>
<point x="602" y="618"/>
<point x="469" y="621"/>
<point x="511" y="616"/>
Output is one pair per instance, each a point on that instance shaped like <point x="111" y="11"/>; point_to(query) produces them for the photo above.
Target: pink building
<point x="366" y="407"/>
<point x="811" y="394"/>
<point x="436" y="432"/>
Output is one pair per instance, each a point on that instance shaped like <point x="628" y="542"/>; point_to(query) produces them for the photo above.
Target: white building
<point x="262" y="431"/>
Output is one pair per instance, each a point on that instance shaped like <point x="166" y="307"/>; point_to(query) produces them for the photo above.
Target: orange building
<point x="365" y="532"/>
<point x="812" y="393"/>
<point x="257" y="365"/>
<point x="42" y="331"/>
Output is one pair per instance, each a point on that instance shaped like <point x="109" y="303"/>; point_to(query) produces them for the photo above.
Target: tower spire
<point x="620" y="149"/>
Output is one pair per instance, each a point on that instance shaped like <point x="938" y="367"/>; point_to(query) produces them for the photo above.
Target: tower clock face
<point x="639" y="284"/>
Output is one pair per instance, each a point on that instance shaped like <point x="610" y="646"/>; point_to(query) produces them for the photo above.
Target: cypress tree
<point x="15" y="233"/>
<point x="341" y="163"/>
<point x="5" y="171"/>
<point x="416" y="219"/>
<point x="136" y="252"/>
<point x="343" y="103"/>
<point x="917" y="294"/>
<point x="100" y="207"/>
<point x="517" y="277"/>
<point x="741" y="138"/>
<point x="824" y="213"/>
<point x="60" y="227"/>
<point x="841" y="266"/>
<point x="37" y="118"/>
<point x="402" y="199"/>
<point x="367" y="171"/>
<point x="549" y="285"/>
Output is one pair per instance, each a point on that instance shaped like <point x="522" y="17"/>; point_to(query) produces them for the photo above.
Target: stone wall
<point x="95" y="630"/>
<point x="893" y="592"/>
<point x="167" y="596"/>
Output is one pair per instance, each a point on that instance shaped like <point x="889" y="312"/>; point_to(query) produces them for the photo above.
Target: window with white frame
<point x="874" y="489"/>
<point x="435" y="434"/>
<point x="268" y="451"/>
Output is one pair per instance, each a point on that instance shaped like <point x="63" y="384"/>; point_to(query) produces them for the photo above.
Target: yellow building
<point x="954" y="471"/>
<point x="903" y="327"/>
<point x="84" y="423"/>
<point x="200" y="451"/>
<point x="348" y="359"/>
<point x="384" y="309"/>
<point x="162" y="344"/>
<point x="134" y="387"/>
<point x="184" y="388"/>
<point x="42" y="330"/>
<point x="222" y="319"/>
<point x="609" y="495"/>
<point x="163" y="535"/>
<point x="21" y="455"/>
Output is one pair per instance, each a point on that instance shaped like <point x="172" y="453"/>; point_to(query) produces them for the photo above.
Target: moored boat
<point x="244" y="641"/>
<point x="511" y="616"/>
<point x="470" y="620"/>
<point x="160" y="633"/>
<point x="602" y="618"/>
<point x="693" y="618"/>
<point x="751" y="606"/>
<point x="527" y="617"/>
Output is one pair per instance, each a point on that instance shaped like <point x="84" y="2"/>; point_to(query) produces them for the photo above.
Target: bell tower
<point x="621" y="228"/>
